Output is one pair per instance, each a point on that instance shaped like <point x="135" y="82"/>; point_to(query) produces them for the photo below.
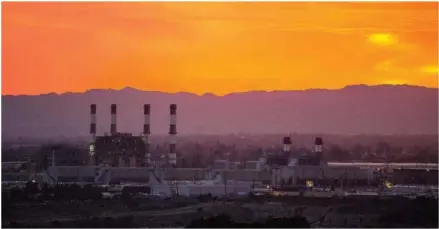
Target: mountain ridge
<point x="356" y="109"/>
<point x="231" y="93"/>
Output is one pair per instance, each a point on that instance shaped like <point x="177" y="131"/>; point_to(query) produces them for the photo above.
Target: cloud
<point x="390" y="67"/>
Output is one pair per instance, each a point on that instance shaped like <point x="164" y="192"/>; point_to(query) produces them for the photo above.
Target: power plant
<point x="124" y="158"/>
<point x="125" y="150"/>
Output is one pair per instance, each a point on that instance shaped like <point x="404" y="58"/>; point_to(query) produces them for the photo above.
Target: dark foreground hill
<point x="351" y="110"/>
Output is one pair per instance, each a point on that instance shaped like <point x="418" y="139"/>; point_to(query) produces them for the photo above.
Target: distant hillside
<point x="352" y="110"/>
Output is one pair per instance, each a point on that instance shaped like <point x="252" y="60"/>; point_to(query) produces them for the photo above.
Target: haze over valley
<point x="356" y="109"/>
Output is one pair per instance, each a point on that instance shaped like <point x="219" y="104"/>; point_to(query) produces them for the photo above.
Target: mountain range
<point x="357" y="109"/>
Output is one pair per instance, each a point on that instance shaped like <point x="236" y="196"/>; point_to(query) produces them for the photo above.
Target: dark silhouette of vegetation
<point x="421" y="213"/>
<point x="108" y="222"/>
<point x="60" y="192"/>
<point x="224" y="221"/>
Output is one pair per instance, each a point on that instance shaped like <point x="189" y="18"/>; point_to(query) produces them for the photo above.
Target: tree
<point x="184" y="163"/>
<point x="197" y="160"/>
<point x="337" y="153"/>
<point x="358" y="150"/>
<point x="383" y="149"/>
<point x="31" y="188"/>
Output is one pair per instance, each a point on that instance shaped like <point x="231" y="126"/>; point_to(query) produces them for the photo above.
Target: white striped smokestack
<point x="318" y="145"/>
<point x="93" y="121"/>
<point x="172" y="156"/>
<point x="147" y="132"/>
<point x="91" y="152"/>
<point x="113" y="127"/>
<point x="287" y="144"/>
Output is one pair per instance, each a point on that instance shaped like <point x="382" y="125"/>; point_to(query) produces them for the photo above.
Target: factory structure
<point x="125" y="150"/>
<point x="118" y="158"/>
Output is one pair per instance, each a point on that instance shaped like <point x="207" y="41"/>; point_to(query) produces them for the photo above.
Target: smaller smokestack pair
<point x="113" y="129"/>
<point x="146" y="127"/>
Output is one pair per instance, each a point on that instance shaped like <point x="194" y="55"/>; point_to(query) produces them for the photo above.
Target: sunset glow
<point x="216" y="48"/>
<point x="382" y="39"/>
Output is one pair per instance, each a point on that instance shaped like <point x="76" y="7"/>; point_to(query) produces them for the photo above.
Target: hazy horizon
<point x="351" y="110"/>
<point x="231" y="93"/>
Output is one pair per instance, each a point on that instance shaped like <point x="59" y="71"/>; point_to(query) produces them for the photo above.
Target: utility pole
<point x="225" y="185"/>
<point x="54" y="168"/>
<point x="343" y="177"/>
<point x="176" y="187"/>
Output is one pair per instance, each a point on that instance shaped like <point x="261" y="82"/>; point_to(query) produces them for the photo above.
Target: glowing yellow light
<point x="309" y="184"/>
<point x="382" y="39"/>
<point x="430" y="69"/>
<point x="395" y="82"/>
<point x="388" y="184"/>
<point x="92" y="150"/>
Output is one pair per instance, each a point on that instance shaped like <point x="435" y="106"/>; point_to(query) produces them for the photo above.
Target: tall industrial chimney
<point x="113" y="129"/>
<point x="93" y="121"/>
<point x="172" y="156"/>
<point x="92" y="133"/>
<point x="147" y="132"/>
<point x="287" y="144"/>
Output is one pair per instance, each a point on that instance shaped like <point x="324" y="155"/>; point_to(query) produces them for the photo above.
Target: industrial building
<point x="124" y="158"/>
<point x="124" y="149"/>
<point x="419" y="176"/>
<point x="276" y="169"/>
<point x="117" y="149"/>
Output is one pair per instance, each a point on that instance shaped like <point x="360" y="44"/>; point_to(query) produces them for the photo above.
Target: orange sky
<point x="216" y="47"/>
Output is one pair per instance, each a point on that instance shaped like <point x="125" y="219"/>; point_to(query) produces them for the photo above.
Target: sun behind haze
<point x="216" y="47"/>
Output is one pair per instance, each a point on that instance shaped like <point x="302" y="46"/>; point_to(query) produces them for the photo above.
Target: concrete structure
<point x="118" y="149"/>
<point x="122" y="157"/>
<point x="253" y="165"/>
<point x="203" y="187"/>
<point x="220" y="164"/>
<point x="285" y="170"/>
<point x="415" y="176"/>
<point x="302" y="168"/>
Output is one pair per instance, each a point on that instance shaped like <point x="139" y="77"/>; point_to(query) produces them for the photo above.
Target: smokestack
<point x="147" y="131"/>
<point x="91" y="152"/>
<point x="287" y="144"/>
<point x="113" y="129"/>
<point x="93" y="121"/>
<point x="172" y="156"/>
<point x="318" y="145"/>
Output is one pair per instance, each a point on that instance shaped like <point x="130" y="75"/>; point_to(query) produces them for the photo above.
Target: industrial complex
<point x="123" y="158"/>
